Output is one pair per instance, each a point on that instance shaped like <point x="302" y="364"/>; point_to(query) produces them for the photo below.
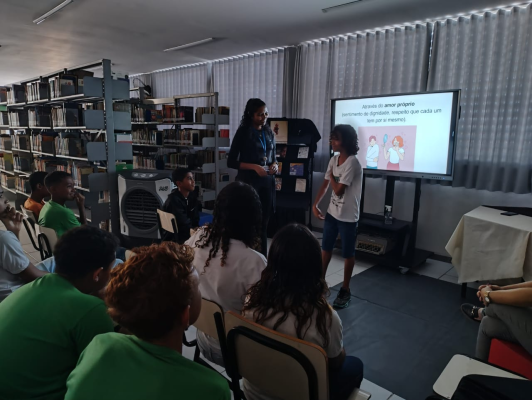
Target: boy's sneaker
<point x="343" y="298"/>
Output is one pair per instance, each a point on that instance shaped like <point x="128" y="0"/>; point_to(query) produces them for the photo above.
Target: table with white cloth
<point x="488" y="246"/>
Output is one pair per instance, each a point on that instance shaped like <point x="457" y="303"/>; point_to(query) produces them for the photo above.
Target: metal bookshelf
<point x="104" y="90"/>
<point x="215" y="142"/>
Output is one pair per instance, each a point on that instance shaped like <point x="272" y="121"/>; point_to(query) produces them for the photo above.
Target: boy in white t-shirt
<point x="344" y="174"/>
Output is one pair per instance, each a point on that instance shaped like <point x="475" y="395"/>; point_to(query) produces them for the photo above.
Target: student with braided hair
<point x="225" y="255"/>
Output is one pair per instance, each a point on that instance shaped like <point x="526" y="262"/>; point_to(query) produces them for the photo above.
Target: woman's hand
<point x="260" y="171"/>
<point x="274" y="168"/>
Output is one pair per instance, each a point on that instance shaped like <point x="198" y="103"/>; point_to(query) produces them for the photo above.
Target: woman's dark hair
<point x="348" y="136"/>
<point x="237" y="215"/>
<point x="83" y="250"/>
<point x="251" y="107"/>
<point x="292" y="283"/>
<point x="150" y="290"/>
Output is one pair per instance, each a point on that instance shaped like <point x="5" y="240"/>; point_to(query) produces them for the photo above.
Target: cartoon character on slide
<point x="395" y="153"/>
<point x="372" y="155"/>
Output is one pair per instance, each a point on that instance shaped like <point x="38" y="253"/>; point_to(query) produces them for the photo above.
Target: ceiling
<point x="134" y="33"/>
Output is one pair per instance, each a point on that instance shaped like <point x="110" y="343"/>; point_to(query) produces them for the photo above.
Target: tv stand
<point x="404" y="254"/>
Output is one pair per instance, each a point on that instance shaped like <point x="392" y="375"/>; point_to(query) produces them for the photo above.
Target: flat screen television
<point x="408" y="134"/>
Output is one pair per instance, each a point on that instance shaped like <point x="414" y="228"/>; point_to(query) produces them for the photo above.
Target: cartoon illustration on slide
<point x="372" y="154"/>
<point x="394" y="153"/>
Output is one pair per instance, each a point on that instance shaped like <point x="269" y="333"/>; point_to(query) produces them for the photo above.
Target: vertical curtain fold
<point x="373" y="63"/>
<point x="489" y="57"/>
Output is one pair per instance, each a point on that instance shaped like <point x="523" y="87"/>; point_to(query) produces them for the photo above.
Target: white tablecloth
<point x="489" y="246"/>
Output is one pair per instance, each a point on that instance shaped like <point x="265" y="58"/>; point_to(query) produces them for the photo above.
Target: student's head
<point x="60" y="185"/>
<point x="372" y="140"/>
<point x="85" y="255"/>
<point x="398" y="141"/>
<point x="344" y="137"/>
<point x="255" y="114"/>
<point x="4" y="204"/>
<point x="155" y="291"/>
<point x="237" y="215"/>
<point x="292" y="282"/>
<point x="37" y="185"/>
<point x="184" y="179"/>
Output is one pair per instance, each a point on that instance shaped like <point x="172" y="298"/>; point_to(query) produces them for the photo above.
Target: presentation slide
<point x="409" y="133"/>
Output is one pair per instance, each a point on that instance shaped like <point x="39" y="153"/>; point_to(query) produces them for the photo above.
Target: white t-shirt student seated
<point x="13" y="261"/>
<point x="288" y="327"/>
<point x="225" y="285"/>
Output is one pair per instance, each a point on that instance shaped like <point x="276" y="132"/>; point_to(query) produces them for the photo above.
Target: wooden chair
<point x="29" y="222"/>
<point x="167" y="223"/>
<point x="211" y="322"/>
<point x="282" y="366"/>
<point x="47" y="239"/>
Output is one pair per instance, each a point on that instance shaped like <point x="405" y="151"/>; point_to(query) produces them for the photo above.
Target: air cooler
<point x="140" y="194"/>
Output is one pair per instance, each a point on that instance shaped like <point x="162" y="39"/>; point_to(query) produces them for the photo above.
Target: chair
<point x="281" y="365"/>
<point x="47" y="238"/>
<point x="29" y="222"/>
<point x="511" y="356"/>
<point x="167" y="223"/>
<point x="211" y="322"/>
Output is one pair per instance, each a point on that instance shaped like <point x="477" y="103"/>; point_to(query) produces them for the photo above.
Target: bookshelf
<point x="153" y="147"/>
<point x="68" y="120"/>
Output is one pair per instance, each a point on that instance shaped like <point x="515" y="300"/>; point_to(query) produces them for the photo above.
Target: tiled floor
<point x="432" y="268"/>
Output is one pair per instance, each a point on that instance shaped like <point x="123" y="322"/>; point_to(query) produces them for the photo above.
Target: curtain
<point x="365" y="64"/>
<point x="237" y="79"/>
<point x="489" y="57"/>
<point x="190" y="79"/>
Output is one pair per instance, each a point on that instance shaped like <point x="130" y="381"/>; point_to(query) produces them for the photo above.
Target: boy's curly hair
<point x="149" y="291"/>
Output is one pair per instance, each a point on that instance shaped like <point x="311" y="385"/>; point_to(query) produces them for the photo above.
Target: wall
<point x="440" y="210"/>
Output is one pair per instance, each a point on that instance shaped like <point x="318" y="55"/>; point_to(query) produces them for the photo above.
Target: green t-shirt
<point x="57" y="217"/>
<point x="44" y="328"/>
<point x="116" y="366"/>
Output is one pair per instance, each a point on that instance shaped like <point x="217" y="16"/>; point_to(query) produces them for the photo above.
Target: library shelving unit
<point x="157" y="148"/>
<point x="69" y="120"/>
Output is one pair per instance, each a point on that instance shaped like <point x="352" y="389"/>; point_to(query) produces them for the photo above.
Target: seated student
<point x="55" y="214"/>
<point x="507" y="315"/>
<point x="38" y="192"/>
<point x="155" y="296"/>
<point x="291" y="298"/>
<point x="224" y="255"/>
<point x="47" y="324"/>
<point x="183" y="203"/>
<point x="15" y="267"/>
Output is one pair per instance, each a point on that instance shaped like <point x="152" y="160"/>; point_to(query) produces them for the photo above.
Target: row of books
<point x="301" y="185"/>
<point x="16" y="94"/>
<point x="36" y="91"/>
<point x="6" y="161"/>
<point x="43" y="143"/>
<point x="7" y="181"/>
<point x="186" y="137"/>
<point x="170" y="113"/>
<point x="143" y="162"/>
<point x="19" y="142"/>
<point x="5" y="143"/>
<point x="68" y="84"/>
<point x="3" y="94"/>
<point x="4" y="118"/>
<point x="206" y="181"/>
<point x="22" y="184"/>
<point x="18" y="118"/>
<point x="48" y="164"/>
<point x="22" y="162"/>
<point x="68" y="115"/>
<point x="73" y="147"/>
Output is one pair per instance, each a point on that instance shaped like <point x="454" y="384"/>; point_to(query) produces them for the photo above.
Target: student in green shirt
<point x="55" y="214"/>
<point x="47" y="324"/>
<point x="155" y="296"/>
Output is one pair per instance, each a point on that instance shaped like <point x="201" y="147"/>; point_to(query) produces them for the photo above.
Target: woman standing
<point x="253" y="155"/>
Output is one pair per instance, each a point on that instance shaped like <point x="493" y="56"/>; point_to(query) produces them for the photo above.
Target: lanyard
<point x="262" y="141"/>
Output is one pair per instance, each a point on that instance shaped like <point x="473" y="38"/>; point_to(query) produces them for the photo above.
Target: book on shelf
<point x="3" y="94"/>
<point x="6" y="143"/>
<point x="279" y="168"/>
<point x="280" y="131"/>
<point x="40" y="116"/>
<point x="68" y="84"/>
<point x="20" y="142"/>
<point x="184" y="114"/>
<point x="296" y="169"/>
<point x="4" y="118"/>
<point x="73" y="147"/>
<point x="22" y="162"/>
<point x="8" y="181"/>
<point x="17" y="94"/>
<point x="224" y="133"/>
<point x="302" y="152"/>
<point x="22" y="184"/>
<point x="278" y="184"/>
<point x="36" y="91"/>
<point x="301" y="185"/>
<point x="6" y="161"/>
<point x="18" y="118"/>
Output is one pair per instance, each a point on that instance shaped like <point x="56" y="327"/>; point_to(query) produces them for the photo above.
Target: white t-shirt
<point x="13" y="261"/>
<point x="372" y="153"/>
<point x="394" y="157"/>
<point x="225" y="285"/>
<point x="312" y="335"/>
<point x="345" y="207"/>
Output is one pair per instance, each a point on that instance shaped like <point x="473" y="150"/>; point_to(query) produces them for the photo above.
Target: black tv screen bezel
<point x="453" y="129"/>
